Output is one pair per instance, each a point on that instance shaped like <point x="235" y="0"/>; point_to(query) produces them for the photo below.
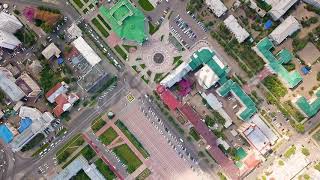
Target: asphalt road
<point x="78" y="125"/>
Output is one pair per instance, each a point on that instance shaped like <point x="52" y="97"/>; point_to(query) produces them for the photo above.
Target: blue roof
<point x="304" y="70"/>
<point x="5" y="134"/>
<point x="60" y="60"/>
<point x="24" y="124"/>
<point x="268" y="24"/>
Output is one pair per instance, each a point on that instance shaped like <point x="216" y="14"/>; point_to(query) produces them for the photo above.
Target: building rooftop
<point x="227" y="165"/>
<point x="50" y="51"/>
<point x="205" y="56"/>
<point x="126" y="21"/>
<point x="206" y="77"/>
<point x="8" y="40"/>
<point x="28" y="85"/>
<point x="168" y="98"/>
<point x="239" y="32"/>
<point x="40" y="121"/>
<point x="176" y="75"/>
<point x="267" y="131"/>
<point x="285" y="29"/>
<point x="217" y="7"/>
<point x="64" y="103"/>
<point x="74" y="31"/>
<point x="257" y="139"/>
<point x="263" y="49"/>
<point x="86" y="51"/>
<point x="59" y="88"/>
<point x="9" y="23"/>
<point x="280" y="7"/>
<point x="249" y="107"/>
<point x="5" y="134"/>
<point x="75" y="166"/>
<point x="311" y="107"/>
<point x="8" y="86"/>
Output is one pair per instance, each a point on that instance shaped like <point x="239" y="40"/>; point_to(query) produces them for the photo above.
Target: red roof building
<point x="228" y="165"/>
<point x="168" y="98"/>
<point x="64" y="101"/>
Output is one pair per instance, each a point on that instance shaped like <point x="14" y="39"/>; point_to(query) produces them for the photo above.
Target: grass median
<point x="104" y="169"/>
<point x="69" y="148"/>
<point x="97" y="124"/>
<point x="108" y="136"/>
<point x="100" y="27"/>
<point x="132" y="138"/>
<point x="128" y="157"/>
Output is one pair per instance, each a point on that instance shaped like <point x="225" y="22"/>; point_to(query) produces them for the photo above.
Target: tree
<point x="17" y="12"/>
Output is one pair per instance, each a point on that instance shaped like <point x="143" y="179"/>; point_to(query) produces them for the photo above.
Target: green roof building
<point x="127" y="21"/>
<point x="263" y="49"/>
<point x="309" y="108"/>
<point x="249" y="107"/>
<point x="205" y="56"/>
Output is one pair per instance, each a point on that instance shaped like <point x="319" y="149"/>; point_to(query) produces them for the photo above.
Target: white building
<point x="176" y="75"/>
<point x="217" y="7"/>
<point x="280" y="7"/>
<point x="315" y="3"/>
<point x="239" y="32"/>
<point x="206" y="77"/>
<point x="9" y="23"/>
<point x="74" y="31"/>
<point x="285" y="29"/>
<point x="8" y="40"/>
<point x="51" y="50"/>
<point x="58" y="89"/>
<point x="86" y="51"/>
<point x="40" y="121"/>
<point x="8" y="86"/>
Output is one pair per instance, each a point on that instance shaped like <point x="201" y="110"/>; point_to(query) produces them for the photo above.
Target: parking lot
<point x="174" y="159"/>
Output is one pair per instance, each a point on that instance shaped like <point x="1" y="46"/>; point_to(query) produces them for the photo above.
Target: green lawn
<point x="108" y="136"/>
<point x="104" y="22"/>
<point x="99" y="26"/>
<point x="146" y="5"/>
<point x="69" y="148"/>
<point x="127" y="47"/>
<point x="105" y="170"/>
<point x="152" y="28"/>
<point x="88" y="153"/>
<point x="121" y="52"/>
<point x="305" y="151"/>
<point x="275" y="86"/>
<point x="194" y="134"/>
<point x="128" y="157"/>
<point x="78" y="3"/>
<point x="144" y="174"/>
<point x="291" y="151"/>
<point x="97" y="124"/>
<point x="81" y="175"/>
<point x="293" y="111"/>
<point x="145" y="79"/>
<point x="132" y="138"/>
<point x="317" y="166"/>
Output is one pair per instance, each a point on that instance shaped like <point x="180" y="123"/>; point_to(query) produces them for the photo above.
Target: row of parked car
<point x="198" y="22"/>
<point x="186" y="29"/>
